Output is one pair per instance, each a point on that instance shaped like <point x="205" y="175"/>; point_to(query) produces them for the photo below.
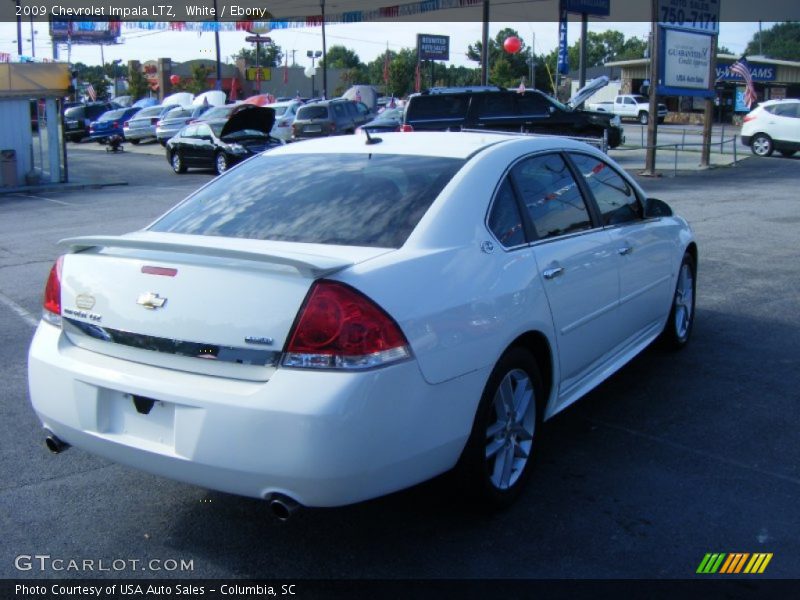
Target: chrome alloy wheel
<point x="221" y="163"/>
<point x="510" y="437"/>
<point x="684" y="301"/>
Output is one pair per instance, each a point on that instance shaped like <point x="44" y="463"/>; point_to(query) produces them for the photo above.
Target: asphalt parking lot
<point x="674" y="457"/>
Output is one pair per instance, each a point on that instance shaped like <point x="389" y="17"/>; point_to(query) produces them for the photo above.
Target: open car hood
<point x="587" y="91"/>
<point x="259" y="118"/>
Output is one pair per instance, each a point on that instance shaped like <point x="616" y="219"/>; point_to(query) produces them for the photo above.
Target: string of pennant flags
<point x="355" y="16"/>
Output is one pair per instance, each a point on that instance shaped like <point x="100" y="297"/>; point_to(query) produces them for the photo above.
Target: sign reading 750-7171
<point x="691" y="15"/>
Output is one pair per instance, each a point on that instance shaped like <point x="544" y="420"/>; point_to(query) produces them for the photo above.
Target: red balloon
<point x="174" y="79"/>
<point x="512" y="45"/>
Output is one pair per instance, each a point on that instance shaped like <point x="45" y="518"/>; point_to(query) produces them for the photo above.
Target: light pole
<point x="116" y="62"/>
<point x="313" y="55"/>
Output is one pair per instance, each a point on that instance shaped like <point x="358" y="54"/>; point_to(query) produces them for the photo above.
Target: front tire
<point x="221" y="163"/>
<point x="643" y="118"/>
<point x="762" y="145"/>
<point x="177" y="163"/>
<point x="679" y="325"/>
<point x="498" y="456"/>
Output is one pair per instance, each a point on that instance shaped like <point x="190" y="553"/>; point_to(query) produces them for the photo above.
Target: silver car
<point x="176" y="119"/>
<point x="143" y="125"/>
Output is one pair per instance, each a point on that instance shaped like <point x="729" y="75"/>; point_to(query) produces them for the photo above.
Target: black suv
<point x="506" y="110"/>
<point x="329" y="117"/>
<point x="77" y="118"/>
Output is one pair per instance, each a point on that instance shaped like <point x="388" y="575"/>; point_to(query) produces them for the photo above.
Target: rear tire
<point x="643" y="118"/>
<point x="499" y="454"/>
<point x="762" y="145"/>
<point x="679" y="325"/>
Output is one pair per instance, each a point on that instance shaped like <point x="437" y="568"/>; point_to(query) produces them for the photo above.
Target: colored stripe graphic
<point x="734" y="563"/>
<point x="711" y="563"/>
<point x="758" y="563"/>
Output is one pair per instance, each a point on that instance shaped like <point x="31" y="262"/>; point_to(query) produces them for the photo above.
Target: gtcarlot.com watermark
<point x="42" y="563"/>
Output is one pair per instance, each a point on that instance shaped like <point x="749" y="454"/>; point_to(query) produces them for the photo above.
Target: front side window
<point x="531" y="105"/>
<point x="203" y="130"/>
<point x="551" y="196"/>
<point x="344" y="199"/>
<point x="615" y="197"/>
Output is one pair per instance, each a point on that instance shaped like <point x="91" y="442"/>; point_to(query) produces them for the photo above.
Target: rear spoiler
<point x="307" y="264"/>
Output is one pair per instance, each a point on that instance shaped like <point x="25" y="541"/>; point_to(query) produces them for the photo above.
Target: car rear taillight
<point x="154" y="120"/>
<point x="340" y="328"/>
<point x="52" y="294"/>
<point x="750" y="117"/>
<point x="115" y="124"/>
<point x="91" y="128"/>
<point x="158" y="123"/>
<point x="126" y="124"/>
<point x="405" y="127"/>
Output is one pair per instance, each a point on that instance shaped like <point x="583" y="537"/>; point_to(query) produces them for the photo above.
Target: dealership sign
<point x="598" y="8"/>
<point x="700" y="16"/>
<point x="685" y="68"/>
<point x="433" y="47"/>
<point x="758" y="73"/>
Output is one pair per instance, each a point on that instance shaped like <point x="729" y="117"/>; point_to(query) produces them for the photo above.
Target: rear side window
<point x="789" y="109"/>
<point x="496" y="105"/>
<point x="76" y="112"/>
<point x="438" y="107"/>
<point x="313" y="112"/>
<point x="552" y="197"/>
<point x="344" y="199"/>
<point x="504" y="218"/>
<point x="615" y="198"/>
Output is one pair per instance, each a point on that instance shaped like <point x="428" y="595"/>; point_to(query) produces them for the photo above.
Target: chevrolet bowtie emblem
<point x="151" y="301"/>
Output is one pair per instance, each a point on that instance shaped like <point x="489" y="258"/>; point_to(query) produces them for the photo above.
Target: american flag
<point x="740" y="68"/>
<point x="90" y="92"/>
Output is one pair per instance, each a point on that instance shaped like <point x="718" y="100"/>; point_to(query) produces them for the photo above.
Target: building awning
<point x="34" y="80"/>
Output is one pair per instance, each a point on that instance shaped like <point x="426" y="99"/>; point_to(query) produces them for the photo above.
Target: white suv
<point x="773" y="125"/>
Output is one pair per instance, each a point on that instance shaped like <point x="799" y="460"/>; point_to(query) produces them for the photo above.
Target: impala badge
<point x="151" y="301"/>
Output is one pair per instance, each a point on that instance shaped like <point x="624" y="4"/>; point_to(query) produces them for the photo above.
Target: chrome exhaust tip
<point x="54" y="444"/>
<point x="282" y="507"/>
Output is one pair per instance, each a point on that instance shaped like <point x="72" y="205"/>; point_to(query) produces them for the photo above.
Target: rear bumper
<point x="322" y="438"/>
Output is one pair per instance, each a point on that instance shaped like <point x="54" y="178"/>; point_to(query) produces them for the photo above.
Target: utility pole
<point x="324" y="54"/>
<point x="19" y="31"/>
<point x="652" y="121"/>
<point x="218" y="85"/>
<point x="485" y="45"/>
<point x="708" y="108"/>
<point x="582" y="56"/>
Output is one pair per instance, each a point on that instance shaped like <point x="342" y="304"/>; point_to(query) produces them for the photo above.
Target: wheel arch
<point x="537" y="344"/>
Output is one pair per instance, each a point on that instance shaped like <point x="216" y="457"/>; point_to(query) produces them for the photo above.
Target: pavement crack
<point x="34" y="484"/>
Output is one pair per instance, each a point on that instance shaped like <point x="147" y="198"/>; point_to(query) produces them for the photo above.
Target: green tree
<point x="339" y="57"/>
<point x="137" y="84"/>
<point x="198" y="83"/>
<point x="781" y="41"/>
<point x="513" y="67"/>
<point x="271" y="55"/>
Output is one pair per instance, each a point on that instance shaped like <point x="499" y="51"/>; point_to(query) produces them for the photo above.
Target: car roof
<point x="448" y="144"/>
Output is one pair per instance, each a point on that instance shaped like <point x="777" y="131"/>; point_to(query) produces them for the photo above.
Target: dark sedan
<point x="110" y="123"/>
<point x="390" y="119"/>
<point x="220" y="144"/>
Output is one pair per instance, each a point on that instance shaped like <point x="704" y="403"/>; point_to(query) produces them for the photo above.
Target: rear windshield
<point x="76" y="112"/>
<point x="438" y="107"/>
<point x="152" y="111"/>
<point x="112" y="114"/>
<point x="344" y="199"/>
<point x="312" y="112"/>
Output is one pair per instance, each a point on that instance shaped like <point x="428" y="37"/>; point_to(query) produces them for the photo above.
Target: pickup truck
<point x="630" y="106"/>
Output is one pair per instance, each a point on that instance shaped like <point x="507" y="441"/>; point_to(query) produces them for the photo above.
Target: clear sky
<point x="368" y="40"/>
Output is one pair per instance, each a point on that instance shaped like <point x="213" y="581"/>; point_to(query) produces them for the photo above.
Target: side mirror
<point x="655" y="208"/>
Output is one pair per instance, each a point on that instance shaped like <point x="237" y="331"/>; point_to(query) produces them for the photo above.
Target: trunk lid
<point x="211" y="305"/>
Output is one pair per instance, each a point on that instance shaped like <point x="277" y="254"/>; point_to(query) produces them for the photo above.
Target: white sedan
<point x="398" y="307"/>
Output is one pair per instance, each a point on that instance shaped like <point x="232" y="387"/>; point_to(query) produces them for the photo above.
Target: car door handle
<point x="625" y="250"/>
<point x="553" y="273"/>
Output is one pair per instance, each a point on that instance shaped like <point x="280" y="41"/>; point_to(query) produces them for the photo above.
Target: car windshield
<point x="241" y="133"/>
<point x="218" y="112"/>
<point x="279" y="110"/>
<point x="345" y="199"/>
<point x="640" y="99"/>
<point x="312" y="112"/>
<point x="75" y="112"/>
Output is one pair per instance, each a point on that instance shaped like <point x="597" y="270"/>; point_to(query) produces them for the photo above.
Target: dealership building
<point x="772" y="78"/>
